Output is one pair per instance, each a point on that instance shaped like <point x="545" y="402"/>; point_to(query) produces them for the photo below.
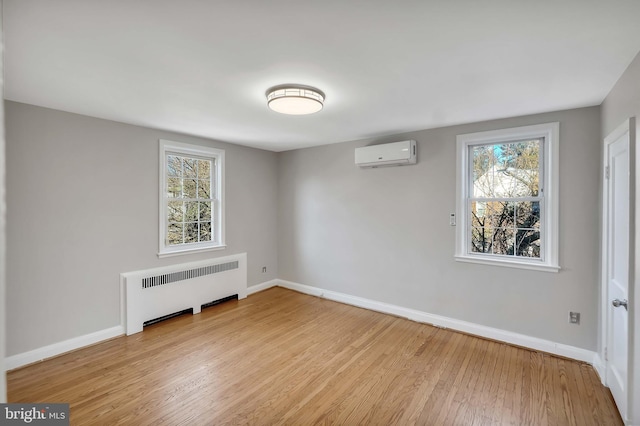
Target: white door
<point x="617" y="266"/>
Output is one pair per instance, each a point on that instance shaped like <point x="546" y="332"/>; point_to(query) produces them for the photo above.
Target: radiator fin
<point x="173" y="277"/>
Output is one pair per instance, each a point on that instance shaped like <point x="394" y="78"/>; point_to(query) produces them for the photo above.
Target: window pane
<point x="495" y="214"/>
<point x="479" y="214"/>
<point x="503" y="241"/>
<point x="480" y="240"/>
<point x="205" y="231"/>
<point x="522" y="161"/>
<point x="502" y="213"/>
<point x="190" y="233"/>
<point x="204" y="169"/>
<point x="205" y="211"/>
<point x="483" y="165"/>
<point x="189" y="188"/>
<point x="528" y="215"/>
<point x="204" y="189"/>
<point x="174" y="166"/>
<point x="528" y="243"/>
<point x="175" y="211"/>
<point x="174" y="233"/>
<point x="189" y="167"/>
<point x="506" y="170"/>
<point x="191" y="211"/>
<point x="174" y="187"/>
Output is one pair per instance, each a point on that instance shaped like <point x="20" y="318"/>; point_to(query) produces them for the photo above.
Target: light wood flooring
<point x="281" y="357"/>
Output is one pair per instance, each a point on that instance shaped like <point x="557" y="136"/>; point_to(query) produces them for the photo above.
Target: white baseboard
<point x="59" y="348"/>
<point x="523" y="340"/>
<point x="20" y="360"/>
<point x="600" y="367"/>
<point x="446" y="322"/>
<point x="262" y="286"/>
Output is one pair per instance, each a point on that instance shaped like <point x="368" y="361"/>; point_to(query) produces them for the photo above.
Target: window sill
<point x="509" y="263"/>
<point x="190" y="251"/>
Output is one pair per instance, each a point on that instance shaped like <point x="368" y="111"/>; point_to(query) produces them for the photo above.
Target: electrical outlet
<point x="574" y="317"/>
<point x="264" y="269"/>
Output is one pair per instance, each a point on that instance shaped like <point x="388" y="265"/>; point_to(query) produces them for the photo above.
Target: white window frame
<point x="549" y="184"/>
<point x="217" y="208"/>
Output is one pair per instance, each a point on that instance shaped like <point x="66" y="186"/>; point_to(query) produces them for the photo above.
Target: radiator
<point x="158" y="292"/>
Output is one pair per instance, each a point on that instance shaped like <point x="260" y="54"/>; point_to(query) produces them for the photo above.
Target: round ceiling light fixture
<point x="295" y="99"/>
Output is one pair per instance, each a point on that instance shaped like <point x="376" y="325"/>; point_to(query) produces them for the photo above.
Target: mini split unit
<point x="388" y="154"/>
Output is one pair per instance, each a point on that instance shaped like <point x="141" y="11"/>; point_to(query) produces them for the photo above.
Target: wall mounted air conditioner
<point x="388" y="154"/>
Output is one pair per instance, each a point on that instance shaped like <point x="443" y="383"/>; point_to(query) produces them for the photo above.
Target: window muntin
<point x="191" y="198"/>
<point x="507" y="197"/>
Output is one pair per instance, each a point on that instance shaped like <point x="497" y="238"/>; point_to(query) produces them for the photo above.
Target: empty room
<point x="304" y="212"/>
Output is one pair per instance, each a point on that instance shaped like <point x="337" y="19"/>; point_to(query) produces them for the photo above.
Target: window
<point x="191" y="198"/>
<point x="507" y="203"/>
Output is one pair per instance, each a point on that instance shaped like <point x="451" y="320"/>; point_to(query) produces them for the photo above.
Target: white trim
<point x="190" y="251"/>
<point x="35" y="355"/>
<point x="633" y="348"/>
<point x="600" y="367"/>
<point x="510" y="263"/>
<point x="604" y="290"/>
<point x="218" y="202"/>
<point x="301" y="288"/>
<point x="19" y="360"/>
<point x="262" y="286"/>
<point x="510" y="337"/>
<point x="549" y="233"/>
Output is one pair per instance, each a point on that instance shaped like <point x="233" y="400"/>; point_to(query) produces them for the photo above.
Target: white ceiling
<point x="202" y="67"/>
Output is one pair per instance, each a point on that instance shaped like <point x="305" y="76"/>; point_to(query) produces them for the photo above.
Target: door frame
<point x="633" y="355"/>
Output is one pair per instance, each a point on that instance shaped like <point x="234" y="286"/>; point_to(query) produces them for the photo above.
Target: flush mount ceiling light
<point x="295" y="99"/>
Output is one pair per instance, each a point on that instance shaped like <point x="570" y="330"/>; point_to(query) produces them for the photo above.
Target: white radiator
<point x="158" y="292"/>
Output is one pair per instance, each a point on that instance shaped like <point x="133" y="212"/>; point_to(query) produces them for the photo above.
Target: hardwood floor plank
<point x="558" y="415"/>
<point x="603" y="407"/>
<point x="457" y="382"/>
<point x="281" y="357"/>
<point x="434" y="369"/>
<point x="497" y="404"/>
<point x="510" y="410"/>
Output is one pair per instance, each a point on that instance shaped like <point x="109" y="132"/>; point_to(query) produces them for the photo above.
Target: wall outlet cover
<point x="574" y="317"/>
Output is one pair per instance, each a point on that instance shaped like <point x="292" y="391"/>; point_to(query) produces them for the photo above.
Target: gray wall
<point x="82" y="198"/>
<point x="384" y="233"/>
<point x="624" y="99"/>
